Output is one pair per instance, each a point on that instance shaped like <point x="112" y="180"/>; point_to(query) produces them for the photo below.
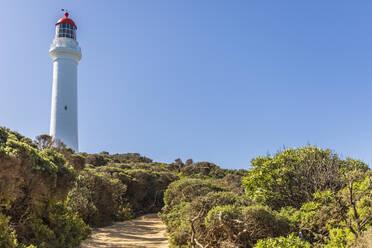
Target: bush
<point x="262" y="222"/>
<point x="291" y="177"/>
<point x="184" y="200"/>
<point x="220" y="198"/>
<point x="222" y="223"/>
<point x="187" y="190"/>
<point x="283" y="242"/>
<point x="77" y="161"/>
<point x="68" y="227"/>
<point x="339" y="237"/>
<point x="97" y="197"/>
<point x="233" y="182"/>
<point x="7" y="237"/>
<point x="243" y="225"/>
<point x="201" y="211"/>
<point x="202" y="170"/>
<point x="178" y="224"/>
<point x="58" y="228"/>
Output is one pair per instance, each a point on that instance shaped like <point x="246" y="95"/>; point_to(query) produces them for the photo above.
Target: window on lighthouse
<point x="66" y="30"/>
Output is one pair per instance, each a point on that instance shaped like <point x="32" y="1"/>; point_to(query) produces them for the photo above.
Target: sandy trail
<point x="144" y="232"/>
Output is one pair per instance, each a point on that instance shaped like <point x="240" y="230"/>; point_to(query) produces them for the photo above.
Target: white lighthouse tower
<point x="66" y="54"/>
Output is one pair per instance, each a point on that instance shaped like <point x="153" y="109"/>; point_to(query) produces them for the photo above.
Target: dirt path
<point x="146" y="232"/>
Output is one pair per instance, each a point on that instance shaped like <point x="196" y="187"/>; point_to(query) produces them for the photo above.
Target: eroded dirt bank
<point x="146" y="232"/>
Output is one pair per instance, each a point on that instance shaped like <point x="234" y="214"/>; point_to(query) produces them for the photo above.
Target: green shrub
<point x="221" y="225"/>
<point x="68" y="227"/>
<point x="187" y="198"/>
<point x="243" y="225"/>
<point x="202" y="170"/>
<point x="218" y="214"/>
<point x="283" y="242"/>
<point x="291" y="177"/>
<point x="60" y="228"/>
<point x="3" y="136"/>
<point x="339" y="237"/>
<point x="178" y="224"/>
<point x="293" y="216"/>
<point x="97" y="197"/>
<point x="124" y="213"/>
<point x="80" y="200"/>
<point x="77" y="161"/>
<point x="97" y="159"/>
<point x="187" y="190"/>
<point x="7" y="237"/>
<point x="145" y="183"/>
<point x="262" y="222"/>
<point x="178" y="217"/>
<point x="220" y="198"/>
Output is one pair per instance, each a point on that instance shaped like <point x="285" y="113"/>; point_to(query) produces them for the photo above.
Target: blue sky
<point x="220" y="81"/>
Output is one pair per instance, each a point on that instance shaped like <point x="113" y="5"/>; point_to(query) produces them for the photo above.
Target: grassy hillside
<point x="52" y="197"/>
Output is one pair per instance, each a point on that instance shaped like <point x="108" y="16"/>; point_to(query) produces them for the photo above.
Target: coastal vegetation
<point x="304" y="197"/>
<point x="51" y="196"/>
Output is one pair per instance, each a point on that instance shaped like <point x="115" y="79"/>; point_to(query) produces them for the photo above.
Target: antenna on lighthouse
<point x="66" y="12"/>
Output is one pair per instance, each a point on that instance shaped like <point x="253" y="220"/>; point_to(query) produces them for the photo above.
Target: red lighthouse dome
<point x="66" y="28"/>
<point x="66" y="20"/>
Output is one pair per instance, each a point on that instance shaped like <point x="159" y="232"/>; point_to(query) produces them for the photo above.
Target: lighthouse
<point x="66" y="54"/>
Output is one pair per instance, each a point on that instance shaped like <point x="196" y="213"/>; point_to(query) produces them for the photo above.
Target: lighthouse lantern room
<point x="66" y="27"/>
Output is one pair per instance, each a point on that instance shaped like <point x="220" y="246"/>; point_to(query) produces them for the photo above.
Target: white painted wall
<point x="65" y="53"/>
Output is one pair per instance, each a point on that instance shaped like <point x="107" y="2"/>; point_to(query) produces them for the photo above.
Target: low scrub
<point x="304" y="197"/>
<point x="51" y="196"/>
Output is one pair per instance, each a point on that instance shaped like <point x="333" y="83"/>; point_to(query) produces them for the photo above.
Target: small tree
<point x="44" y="141"/>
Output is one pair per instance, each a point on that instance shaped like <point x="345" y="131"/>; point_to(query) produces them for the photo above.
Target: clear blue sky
<point x="220" y="81"/>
